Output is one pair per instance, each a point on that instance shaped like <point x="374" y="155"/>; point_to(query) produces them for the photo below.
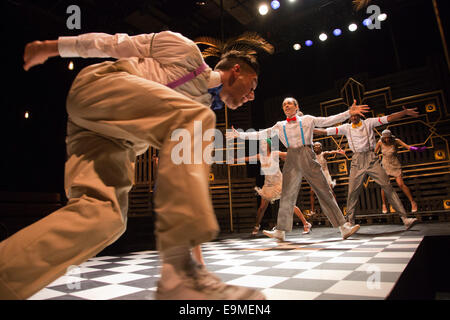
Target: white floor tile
<point x="382" y="267"/>
<point x="349" y="260"/>
<point x="231" y="262"/>
<point x="225" y="256"/>
<point x="106" y="292"/>
<point x="280" y="294"/>
<point x="280" y="258"/>
<point x="136" y="261"/>
<point x="323" y="274"/>
<point x="394" y="255"/>
<point x="46" y="294"/>
<point x="403" y="246"/>
<point x="325" y="253"/>
<point x="242" y="270"/>
<point x="361" y="288"/>
<point x="66" y="280"/>
<point x="131" y="268"/>
<point x="297" y="265"/>
<point x="121" y="278"/>
<point x="257" y="281"/>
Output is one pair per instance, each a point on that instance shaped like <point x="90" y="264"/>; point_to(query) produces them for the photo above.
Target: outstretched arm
<point x="256" y="135"/>
<point x="166" y="47"/>
<point x="37" y="52"/>
<point x="378" y="147"/>
<point x="401" y="114"/>
<point x="410" y="148"/>
<point x="329" y="153"/>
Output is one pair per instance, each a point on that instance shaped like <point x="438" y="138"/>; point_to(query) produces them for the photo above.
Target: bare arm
<point x="378" y="147"/>
<point x="320" y="131"/>
<point x="282" y="155"/>
<point x="404" y="145"/>
<point x="401" y="114"/>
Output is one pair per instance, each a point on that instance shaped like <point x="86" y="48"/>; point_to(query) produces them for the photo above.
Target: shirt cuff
<point x="67" y="47"/>
<point x="332" y="131"/>
<point x="214" y="79"/>
<point x="383" y="120"/>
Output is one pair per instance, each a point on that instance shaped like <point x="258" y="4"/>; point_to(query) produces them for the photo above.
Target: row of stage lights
<point x="337" y="32"/>
<point x="264" y="9"/>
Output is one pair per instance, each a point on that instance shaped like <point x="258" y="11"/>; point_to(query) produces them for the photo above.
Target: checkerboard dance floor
<point x="311" y="267"/>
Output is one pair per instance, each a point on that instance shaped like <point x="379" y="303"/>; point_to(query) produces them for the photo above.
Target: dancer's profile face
<point x="290" y="108"/>
<point x="240" y="87"/>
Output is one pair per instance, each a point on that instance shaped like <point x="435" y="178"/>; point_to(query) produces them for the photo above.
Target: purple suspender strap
<point x="187" y="77"/>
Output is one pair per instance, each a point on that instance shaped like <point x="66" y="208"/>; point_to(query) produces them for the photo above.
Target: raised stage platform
<point x="379" y="262"/>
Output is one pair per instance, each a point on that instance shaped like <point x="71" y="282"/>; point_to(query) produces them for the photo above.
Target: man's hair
<point x="293" y="100"/>
<point x="232" y="57"/>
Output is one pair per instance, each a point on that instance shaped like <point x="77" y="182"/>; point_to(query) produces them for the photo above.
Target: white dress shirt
<point x="290" y="133"/>
<point x="161" y="57"/>
<point x="362" y="138"/>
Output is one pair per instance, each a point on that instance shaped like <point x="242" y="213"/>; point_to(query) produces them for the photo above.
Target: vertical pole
<point x="441" y="31"/>
<point x="230" y="201"/>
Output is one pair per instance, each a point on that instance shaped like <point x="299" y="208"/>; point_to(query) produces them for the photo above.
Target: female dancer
<point x="321" y="158"/>
<point x="271" y="191"/>
<point x="388" y="144"/>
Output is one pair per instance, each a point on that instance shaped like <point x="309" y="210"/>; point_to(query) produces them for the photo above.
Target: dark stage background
<point x="406" y="55"/>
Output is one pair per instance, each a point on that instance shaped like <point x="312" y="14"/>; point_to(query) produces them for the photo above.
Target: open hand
<point x="410" y="112"/>
<point x="359" y="109"/>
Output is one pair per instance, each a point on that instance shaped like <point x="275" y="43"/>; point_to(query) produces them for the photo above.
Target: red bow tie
<point x="291" y="119"/>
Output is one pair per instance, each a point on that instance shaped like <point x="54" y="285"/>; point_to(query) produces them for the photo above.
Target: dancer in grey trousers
<point x="361" y="139"/>
<point x="296" y="133"/>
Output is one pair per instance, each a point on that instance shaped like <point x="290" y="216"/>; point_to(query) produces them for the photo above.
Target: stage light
<point x="323" y="37"/>
<point x="337" y="32"/>
<point x="367" y="22"/>
<point x="352" y="27"/>
<point x="308" y="43"/>
<point x="70" y="67"/>
<point x="27" y="115"/>
<point x="263" y="9"/>
<point x="297" y="47"/>
<point x="275" y="4"/>
<point x="382" y="17"/>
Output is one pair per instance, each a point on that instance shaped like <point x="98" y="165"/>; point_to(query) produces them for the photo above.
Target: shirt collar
<point x="214" y="79"/>
<point x="359" y="124"/>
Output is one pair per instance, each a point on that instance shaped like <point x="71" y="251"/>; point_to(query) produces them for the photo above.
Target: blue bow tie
<point x="216" y="104"/>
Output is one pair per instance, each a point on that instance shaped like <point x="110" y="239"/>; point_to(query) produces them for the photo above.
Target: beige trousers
<point x="113" y="115"/>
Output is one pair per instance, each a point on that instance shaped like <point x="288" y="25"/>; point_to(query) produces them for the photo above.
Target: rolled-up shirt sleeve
<point x="261" y="134"/>
<point x="341" y="130"/>
<point x="375" y="122"/>
<point x="162" y="46"/>
<point x="322" y="122"/>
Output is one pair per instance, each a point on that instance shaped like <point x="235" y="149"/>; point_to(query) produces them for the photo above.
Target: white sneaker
<point x="308" y="226"/>
<point x="200" y="284"/>
<point x="275" y="233"/>
<point x="347" y="229"/>
<point x="409" y="222"/>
